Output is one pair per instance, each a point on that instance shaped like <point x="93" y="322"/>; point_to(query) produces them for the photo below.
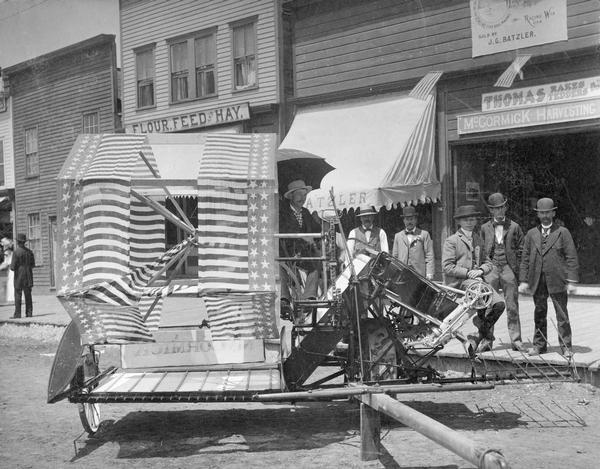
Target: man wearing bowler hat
<point x="22" y="264"/>
<point x="294" y="218"/>
<point x="414" y="246"/>
<point x="465" y="262"/>
<point x="549" y="267"/>
<point x="367" y="234"/>
<point x="503" y="239"/>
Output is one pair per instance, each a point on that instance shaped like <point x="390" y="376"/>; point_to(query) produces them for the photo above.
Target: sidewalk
<point x="584" y="313"/>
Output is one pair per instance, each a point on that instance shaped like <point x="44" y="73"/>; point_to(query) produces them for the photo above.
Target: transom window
<point x="34" y="236"/>
<point x="193" y="67"/>
<point x="91" y="123"/>
<point x="31" y="152"/>
<point x="244" y="55"/>
<point x="144" y="66"/>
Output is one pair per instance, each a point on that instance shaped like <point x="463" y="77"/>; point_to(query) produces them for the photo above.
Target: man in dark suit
<point x="503" y="239"/>
<point x="22" y="264"/>
<point x="549" y="267"/>
<point x="465" y="262"/>
<point x="294" y="218"/>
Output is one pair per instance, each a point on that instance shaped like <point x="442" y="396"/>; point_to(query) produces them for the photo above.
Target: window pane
<point x="145" y="65"/>
<point x="204" y="51"/>
<point x="179" y="57"/>
<point x="34" y="236"/>
<point x="145" y="94"/>
<point x="238" y="42"/>
<point x="249" y="39"/>
<point x="91" y="124"/>
<point x="179" y="86"/>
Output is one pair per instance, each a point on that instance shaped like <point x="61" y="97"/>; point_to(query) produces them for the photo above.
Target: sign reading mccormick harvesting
<point x="537" y="105"/>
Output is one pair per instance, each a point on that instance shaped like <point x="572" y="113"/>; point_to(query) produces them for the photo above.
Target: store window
<point x="144" y="69"/>
<point x="34" y="236"/>
<point x="564" y="167"/>
<point x="31" y="152"/>
<point x="244" y="55"/>
<point x="91" y="123"/>
<point x="2" y="181"/>
<point x="193" y="71"/>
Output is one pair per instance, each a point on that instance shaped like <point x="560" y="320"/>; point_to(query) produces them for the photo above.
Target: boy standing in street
<point x="414" y="246"/>
<point x="503" y="240"/>
<point x="549" y="267"/>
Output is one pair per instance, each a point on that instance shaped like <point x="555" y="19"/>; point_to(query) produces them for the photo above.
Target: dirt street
<point x="535" y="426"/>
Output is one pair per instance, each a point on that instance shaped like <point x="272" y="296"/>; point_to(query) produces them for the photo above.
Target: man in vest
<point x="414" y="246"/>
<point x="367" y="235"/>
<point x="465" y="262"/>
<point x="503" y="239"/>
<point x="549" y="267"/>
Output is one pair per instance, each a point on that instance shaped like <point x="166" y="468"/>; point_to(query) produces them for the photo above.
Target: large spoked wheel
<point x="479" y="294"/>
<point x="89" y="413"/>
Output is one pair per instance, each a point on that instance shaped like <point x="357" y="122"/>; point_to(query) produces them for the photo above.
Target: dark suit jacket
<point x="513" y="242"/>
<point x="23" y="263"/>
<point x="558" y="259"/>
<point x="289" y="224"/>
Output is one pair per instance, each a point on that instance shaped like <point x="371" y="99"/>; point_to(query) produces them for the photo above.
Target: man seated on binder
<point x="294" y="218"/>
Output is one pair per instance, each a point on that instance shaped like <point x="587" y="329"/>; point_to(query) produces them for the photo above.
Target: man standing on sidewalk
<point x="503" y="240"/>
<point x="549" y="267"/>
<point x="22" y="264"/>
<point x="414" y="246"/>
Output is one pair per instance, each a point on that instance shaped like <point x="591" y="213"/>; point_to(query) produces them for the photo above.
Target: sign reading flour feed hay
<point x="501" y="25"/>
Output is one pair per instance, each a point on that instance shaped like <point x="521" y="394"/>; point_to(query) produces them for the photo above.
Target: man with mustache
<point x="549" y="267"/>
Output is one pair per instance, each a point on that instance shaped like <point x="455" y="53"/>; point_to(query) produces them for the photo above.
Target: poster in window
<point x="472" y="191"/>
<point x="501" y="25"/>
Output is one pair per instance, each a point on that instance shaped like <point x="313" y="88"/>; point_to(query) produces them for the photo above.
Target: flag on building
<point x="423" y="89"/>
<point x="515" y="68"/>
<point x="99" y="323"/>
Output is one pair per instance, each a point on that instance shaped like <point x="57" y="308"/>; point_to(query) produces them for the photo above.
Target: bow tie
<point x="498" y="223"/>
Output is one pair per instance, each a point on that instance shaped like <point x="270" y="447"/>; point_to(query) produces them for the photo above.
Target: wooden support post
<point x="434" y="430"/>
<point x="370" y="426"/>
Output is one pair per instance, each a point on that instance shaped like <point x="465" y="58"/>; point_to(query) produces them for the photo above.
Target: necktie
<point x="410" y="232"/>
<point x="545" y="232"/>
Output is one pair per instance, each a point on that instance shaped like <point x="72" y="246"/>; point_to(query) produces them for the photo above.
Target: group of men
<point x="542" y="262"/>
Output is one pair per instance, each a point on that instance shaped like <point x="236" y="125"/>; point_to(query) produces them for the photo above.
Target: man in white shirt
<point x="367" y="235"/>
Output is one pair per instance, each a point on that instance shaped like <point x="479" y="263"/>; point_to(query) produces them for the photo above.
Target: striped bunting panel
<point x="236" y="207"/>
<point x="117" y="156"/>
<point x="106" y="207"/>
<point x="80" y="157"/>
<point x="426" y="85"/>
<point x="153" y="320"/>
<point x="508" y="76"/>
<point x="106" y="324"/>
<point x="146" y="233"/>
<point x="241" y="315"/>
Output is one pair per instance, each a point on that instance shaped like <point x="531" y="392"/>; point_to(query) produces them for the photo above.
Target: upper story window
<point x="91" y="123"/>
<point x="2" y="181"/>
<point x="34" y="236"/>
<point x="144" y="69"/>
<point x="192" y="62"/>
<point x="244" y="55"/>
<point x="31" y="152"/>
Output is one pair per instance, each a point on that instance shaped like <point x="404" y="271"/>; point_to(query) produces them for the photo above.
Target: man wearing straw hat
<point x="367" y="234"/>
<point x="414" y="246"/>
<point x="294" y="218"/>
<point x="465" y="262"/>
<point x="503" y="240"/>
<point x="549" y="267"/>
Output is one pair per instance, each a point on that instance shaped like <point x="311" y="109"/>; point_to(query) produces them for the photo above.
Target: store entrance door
<point x="565" y="168"/>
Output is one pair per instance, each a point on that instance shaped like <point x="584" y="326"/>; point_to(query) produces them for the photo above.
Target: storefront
<point x="539" y="140"/>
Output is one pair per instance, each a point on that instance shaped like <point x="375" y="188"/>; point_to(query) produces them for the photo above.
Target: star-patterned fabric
<point x="236" y="223"/>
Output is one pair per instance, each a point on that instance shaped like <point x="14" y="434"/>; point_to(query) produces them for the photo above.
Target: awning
<point x="382" y="149"/>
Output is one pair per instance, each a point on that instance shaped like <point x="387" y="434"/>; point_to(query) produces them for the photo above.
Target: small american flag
<point x="515" y="68"/>
<point x="100" y="323"/>
<point x="241" y="315"/>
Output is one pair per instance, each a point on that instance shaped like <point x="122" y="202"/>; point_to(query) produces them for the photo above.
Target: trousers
<point x="540" y="314"/>
<point x="19" y="292"/>
<point x="503" y="277"/>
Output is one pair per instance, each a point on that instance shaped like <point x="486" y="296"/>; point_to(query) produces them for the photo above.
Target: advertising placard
<point x="501" y="25"/>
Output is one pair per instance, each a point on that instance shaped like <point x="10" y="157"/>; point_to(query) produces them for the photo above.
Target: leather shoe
<point x="518" y="346"/>
<point x="16" y="317"/>
<point x="286" y="311"/>
<point x="471" y="345"/>
<point x="535" y="351"/>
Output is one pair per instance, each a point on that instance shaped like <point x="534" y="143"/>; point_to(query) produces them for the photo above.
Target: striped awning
<point x="382" y="149"/>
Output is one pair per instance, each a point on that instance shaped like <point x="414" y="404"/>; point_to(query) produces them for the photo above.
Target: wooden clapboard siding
<point x="53" y="92"/>
<point x="7" y="147"/>
<point x="353" y="44"/>
<point x="147" y="22"/>
<point x="464" y="96"/>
